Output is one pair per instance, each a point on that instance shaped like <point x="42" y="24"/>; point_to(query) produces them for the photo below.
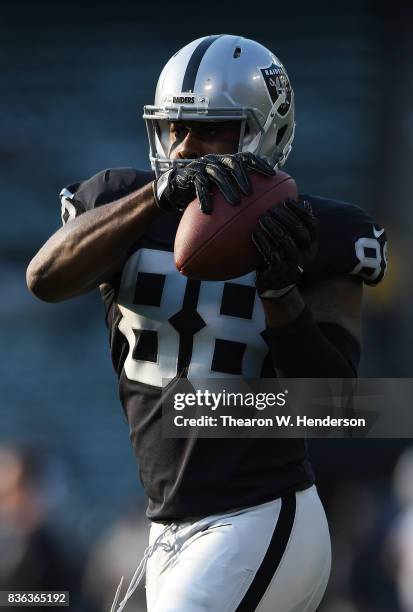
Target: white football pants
<point x="274" y="557"/>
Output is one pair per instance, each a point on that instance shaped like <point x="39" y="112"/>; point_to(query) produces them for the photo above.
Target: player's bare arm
<point x="317" y="332"/>
<point x="336" y="300"/>
<point x="87" y="251"/>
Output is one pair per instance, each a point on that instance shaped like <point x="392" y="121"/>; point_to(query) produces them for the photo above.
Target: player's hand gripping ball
<point x="177" y="187"/>
<point x="219" y="246"/>
<point x="286" y="238"/>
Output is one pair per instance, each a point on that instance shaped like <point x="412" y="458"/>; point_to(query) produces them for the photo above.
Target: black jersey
<point x="165" y="326"/>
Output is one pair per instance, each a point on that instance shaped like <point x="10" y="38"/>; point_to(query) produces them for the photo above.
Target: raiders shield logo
<point x="278" y="86"/>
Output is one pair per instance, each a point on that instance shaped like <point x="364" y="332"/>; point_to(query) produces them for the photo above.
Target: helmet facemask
<point x="158" y="121"/>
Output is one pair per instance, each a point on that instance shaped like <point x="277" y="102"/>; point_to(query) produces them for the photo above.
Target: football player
<point x="236" y="524"/>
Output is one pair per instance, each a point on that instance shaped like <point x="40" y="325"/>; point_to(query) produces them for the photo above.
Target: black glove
<point x="177" y="187"/>
<point x="287" y="241"/>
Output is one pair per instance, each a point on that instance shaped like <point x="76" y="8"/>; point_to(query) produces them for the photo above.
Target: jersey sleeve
<point x="102" y="188"/>
<point x="350" y="242"/>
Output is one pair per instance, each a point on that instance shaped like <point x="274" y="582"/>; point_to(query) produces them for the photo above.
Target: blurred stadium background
<point x="74" y="78"/>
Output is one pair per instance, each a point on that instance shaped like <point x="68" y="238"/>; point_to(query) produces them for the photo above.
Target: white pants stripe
<point x="274" y="557"/>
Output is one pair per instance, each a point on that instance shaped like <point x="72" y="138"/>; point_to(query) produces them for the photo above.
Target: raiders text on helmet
<point x="224" y="78"/>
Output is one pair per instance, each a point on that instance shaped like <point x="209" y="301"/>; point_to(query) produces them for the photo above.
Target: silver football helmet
<point x="224" y="78"/>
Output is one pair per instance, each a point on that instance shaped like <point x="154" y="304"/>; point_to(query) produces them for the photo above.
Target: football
<point x="219" y="246"/>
